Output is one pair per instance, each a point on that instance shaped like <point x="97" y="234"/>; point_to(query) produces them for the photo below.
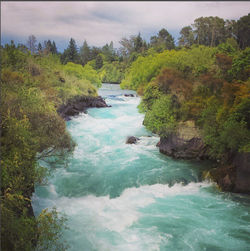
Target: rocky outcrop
<point x="80" y="104"/>
<point x="186" y="143"/>
<point x="131" y="140"/>
<point x="233" y="176"/>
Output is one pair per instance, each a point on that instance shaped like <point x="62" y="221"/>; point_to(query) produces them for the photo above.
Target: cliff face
<point x="186" y="143"/>
<point x="234" y="175"/>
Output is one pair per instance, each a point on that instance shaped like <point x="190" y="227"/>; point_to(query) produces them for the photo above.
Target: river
<point x="131" y="197"/>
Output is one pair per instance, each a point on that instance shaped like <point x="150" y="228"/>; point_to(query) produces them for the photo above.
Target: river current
<point x="125" y="197"/>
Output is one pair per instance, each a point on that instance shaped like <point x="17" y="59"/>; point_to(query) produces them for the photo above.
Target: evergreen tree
<point x="53" y="48"/>
<point x="85" y="53"/>
<point x="71" y="53"/>
<point x="138" y="43"/>
<point x="98" y="62"/>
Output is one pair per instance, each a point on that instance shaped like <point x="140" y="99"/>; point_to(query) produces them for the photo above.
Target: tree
<point x="209" y="31"/>
<point x="163" y="41"/>
<point x="85" y="53"/>
<point x="127" y="46"/>
<point x="53" y="48"/>
<point x="242" y="31"/>
<point x="40" y="48"/>
<point x="108" y="52"/>
<point x="98" y="62"/>
<point x="94" y="52"/>
<point x="187" y="36"/>
<point x="71" y="53"/>
<point x="47" y="47"/>
<point x="31" y="44"/>
<point x="138" y="43"/>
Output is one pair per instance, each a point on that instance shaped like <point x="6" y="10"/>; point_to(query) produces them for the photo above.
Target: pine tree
<point x="53" y="48"/>
<point x="71" y="53"/>
<point x="85" y="53"/>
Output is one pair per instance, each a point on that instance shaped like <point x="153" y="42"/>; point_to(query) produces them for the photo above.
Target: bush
<point x="161" y="118"/>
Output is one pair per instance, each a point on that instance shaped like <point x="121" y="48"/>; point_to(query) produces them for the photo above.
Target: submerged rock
<point x="131" y="140"/>
<point x="80" y="104"/>
<point x="129" y="95"/>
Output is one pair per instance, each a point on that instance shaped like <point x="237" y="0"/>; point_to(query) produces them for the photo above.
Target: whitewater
<point x="125" y="197"/>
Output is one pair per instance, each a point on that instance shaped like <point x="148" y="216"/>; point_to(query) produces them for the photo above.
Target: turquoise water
<point x="130" y="197"/>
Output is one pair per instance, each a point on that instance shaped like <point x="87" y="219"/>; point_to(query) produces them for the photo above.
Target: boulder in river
<point x="131" y="140"/>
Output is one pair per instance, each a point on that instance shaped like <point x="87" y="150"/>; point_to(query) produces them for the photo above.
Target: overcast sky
<point x="102" y="22"/>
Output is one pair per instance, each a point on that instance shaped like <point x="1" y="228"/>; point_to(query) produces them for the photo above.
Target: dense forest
<point x="204" y="79"/>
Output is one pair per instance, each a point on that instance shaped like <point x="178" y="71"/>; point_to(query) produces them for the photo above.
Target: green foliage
<point x="161" y="118"/>
<point x="242" y="31"/>
<point x="83" y="73"/>
<point x="18" y="229"/>
<point x="32" y="88"/>
<point x="151" y="93"/>
<point x="201" y="84"/>
<point x="163" y="41"/>
<point x="71" y="53"/>
<point x="50" y="225"/>
<point x="112" y="72"/>
<point x="241" y="65"/>
<point x="196" y="61"/>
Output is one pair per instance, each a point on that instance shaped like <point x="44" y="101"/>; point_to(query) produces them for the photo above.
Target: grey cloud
<point x="101" y="22"/>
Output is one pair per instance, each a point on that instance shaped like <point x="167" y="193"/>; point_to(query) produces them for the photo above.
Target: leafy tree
<point x="209" y="31"/>
<point x="163" y="41"/>
<point x="187" y="36"/>
<point x="242" y="31"/>
<point x="127" y="46"/>
<point x="161" y="118"/>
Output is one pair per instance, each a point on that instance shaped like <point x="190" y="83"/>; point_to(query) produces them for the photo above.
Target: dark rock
<point x="242" y="163"/>
<point x="131" y="140"/>
<point x="233" y="175"/>
<point x="80" y="104"/>
<point x="180" y="148"/>
<point x="129" y="95"/>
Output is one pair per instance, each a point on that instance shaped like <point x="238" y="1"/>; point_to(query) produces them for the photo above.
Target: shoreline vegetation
<point x="195" y="96"/>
